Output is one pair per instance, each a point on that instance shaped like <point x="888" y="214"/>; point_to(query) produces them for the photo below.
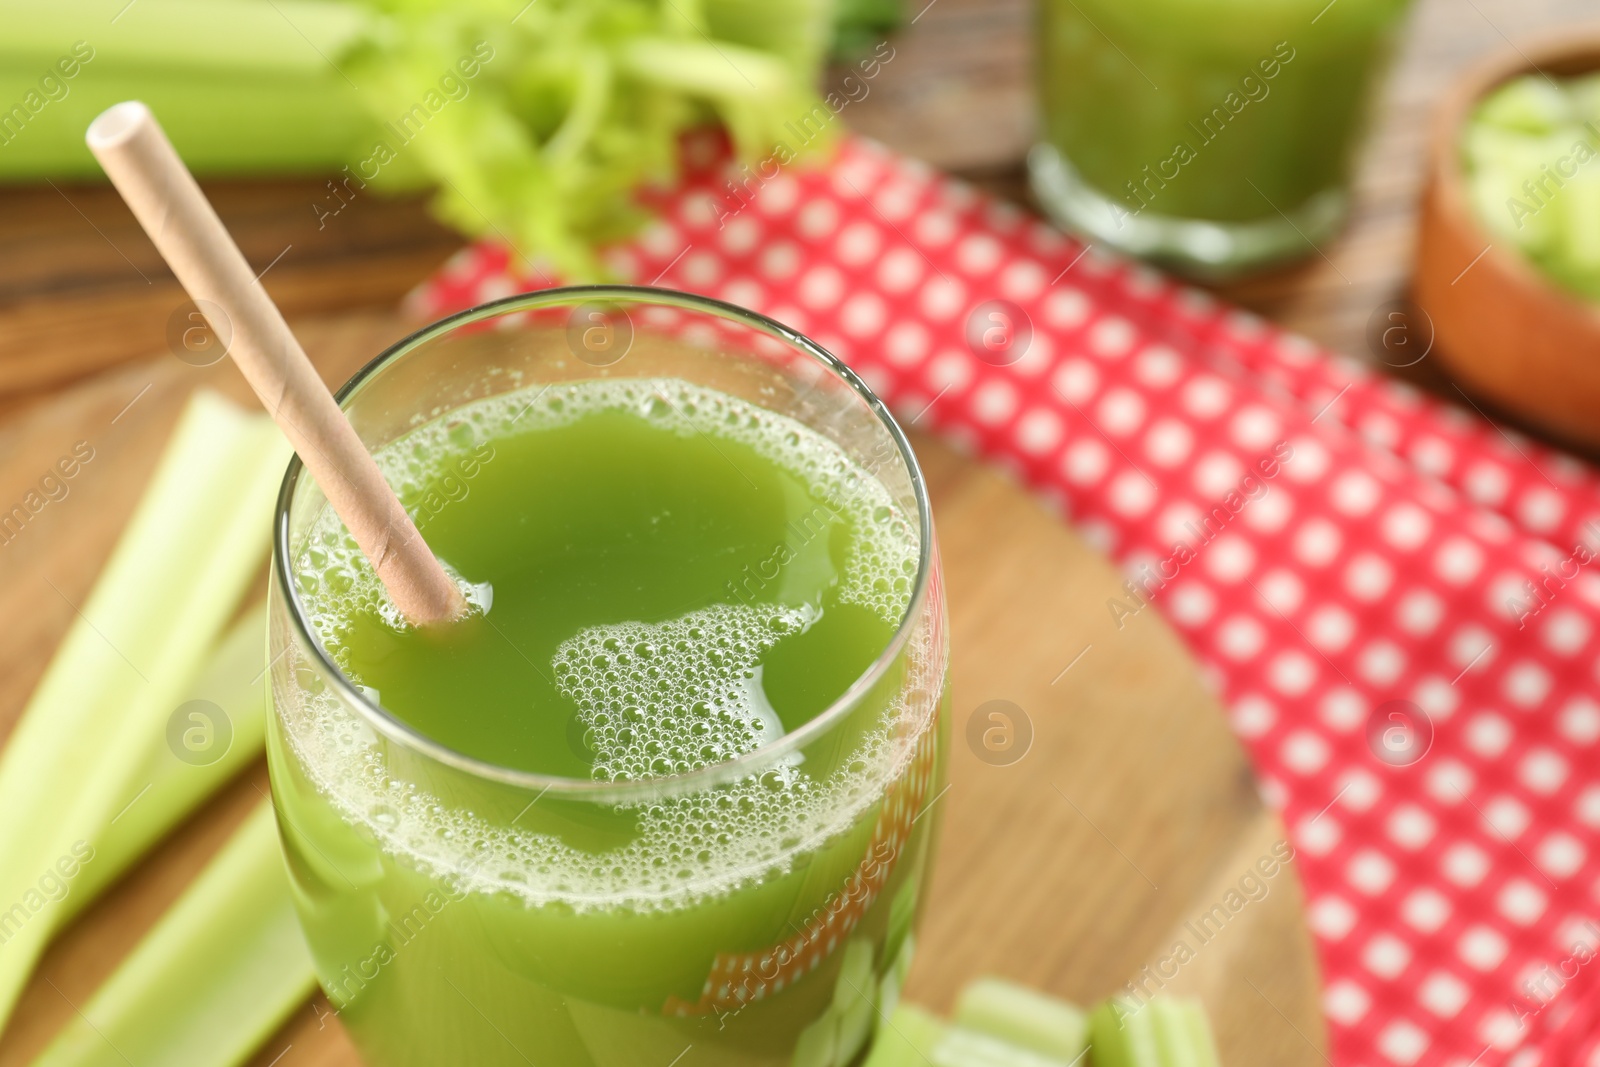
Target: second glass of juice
<point x="665" y="797"/>
<point x="1214" y="136"/>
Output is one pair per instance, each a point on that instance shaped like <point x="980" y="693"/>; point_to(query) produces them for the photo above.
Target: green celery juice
<point x="665" y="578"/>
<point x="1221" y="110"/>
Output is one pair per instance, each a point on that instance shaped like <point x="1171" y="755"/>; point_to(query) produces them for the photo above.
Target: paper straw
<point x="168" y="203"/>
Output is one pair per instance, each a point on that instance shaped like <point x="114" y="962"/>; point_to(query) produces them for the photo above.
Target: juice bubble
<point x="725" y="716"/>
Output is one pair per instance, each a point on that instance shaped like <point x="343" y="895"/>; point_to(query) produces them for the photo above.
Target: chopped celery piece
<point x="1514" y="152"/>
<point x="894" y="976"/>
<point x="903" y="911"/>
<point x="218" y="974"/>
<point x="855" y="999"/>
<point x="1529" y="104"/>
<point x="1532" y="155"/>
<point x="968" y="1048"/>
<point x="1003" y="1024"/>
<point x="855" y="1025"/>
<point x="1499" y="202"/>
<point x="167" y="788"/>
<point x="1580" y="202"/>
<point x="818" y="1045"/>
<point x="193" y="545"/>
<point x="1185" y="1034"/>
<point x="1586" y="97"/>
<point x="1162" y="1032"/>
<point x="835" y="1037"/>
<point x="1120" y="1036"/>
<point x="1024" y="1017"/>
<point x="906" y="1038"/>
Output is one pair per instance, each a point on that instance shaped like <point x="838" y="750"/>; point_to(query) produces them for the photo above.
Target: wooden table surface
<point x="82" y="292"/>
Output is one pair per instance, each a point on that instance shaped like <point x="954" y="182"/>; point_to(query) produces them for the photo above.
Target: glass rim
<point x="396" y="729"/>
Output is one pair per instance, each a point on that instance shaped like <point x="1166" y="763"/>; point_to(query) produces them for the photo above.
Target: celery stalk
<point x="243" y="38"/>
<point x="1024" y="1017"/>
<point x="799" y="31"/>
<point x="240" y="86"/>
<point x="215" y="977"/>
<point x="906" y="1038"/>
<point x="193" y="545"/>
<point x="1581" y="215"/>
<point x="1185" y="1034"/>
<point x="968" y="1048"/>
<point x="702" y="68"/>
<point x="249" y="126"/>
<point x="167" y="788"/>
<point x="1121" y="1036"/>
<point x="1526" y="105"/>
<point x="1163" y="1032"/>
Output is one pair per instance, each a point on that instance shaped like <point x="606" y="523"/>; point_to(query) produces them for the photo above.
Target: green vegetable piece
<point x="1123" y="1035"/>
<point x="1500" y="204"/>
<point x="1024" y="1017"/>
<point x="1585" y="93"/>
<point x="818" y="1045"/>
<point x="1532" y="155"/>
<point x="239" y="87"/>
<point x="894" y="976"/>
<point x="855" y="974"/>
<point x="907" y="1038"/>
<point x="855" y="999"/>
<point x="215" y="977"/>
<point x="170" y="587"/>
<point x="798" y="31"/>
<point x="1529" y="103"/>
<point x="1184" y="1034"/>
<point x="968" y="1048"/>
<point x="903" y="912"/>
<point x="1580" y="203"/>
<point x="1514" y="152"/>
<point x="862" y="25"/>
<point x="855" y="1026"/>
<point x="1162" y="1032"/>
<point x="838" y="1034"/>
<point x="168" y="789"/>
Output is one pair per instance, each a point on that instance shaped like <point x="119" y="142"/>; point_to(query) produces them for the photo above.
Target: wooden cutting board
<point x="1070" y="863"/>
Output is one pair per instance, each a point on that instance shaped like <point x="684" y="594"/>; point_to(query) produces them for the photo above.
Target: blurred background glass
<point x="1214" y="137"/>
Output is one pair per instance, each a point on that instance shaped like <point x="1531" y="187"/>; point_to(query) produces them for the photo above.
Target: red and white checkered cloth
<point x="1453" y="896"/>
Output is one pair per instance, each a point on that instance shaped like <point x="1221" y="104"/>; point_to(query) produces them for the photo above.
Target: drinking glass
<point x="437" y="935"/>
<point x="1214" y="136"/>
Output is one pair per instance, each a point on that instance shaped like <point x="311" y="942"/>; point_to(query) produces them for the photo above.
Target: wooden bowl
<point x="1512" y="336"/>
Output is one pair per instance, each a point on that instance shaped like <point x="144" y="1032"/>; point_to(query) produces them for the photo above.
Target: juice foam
<point x="659" y="698"/>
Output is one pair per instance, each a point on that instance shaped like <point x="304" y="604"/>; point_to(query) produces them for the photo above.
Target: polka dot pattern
<point x="1349" y="543"/>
